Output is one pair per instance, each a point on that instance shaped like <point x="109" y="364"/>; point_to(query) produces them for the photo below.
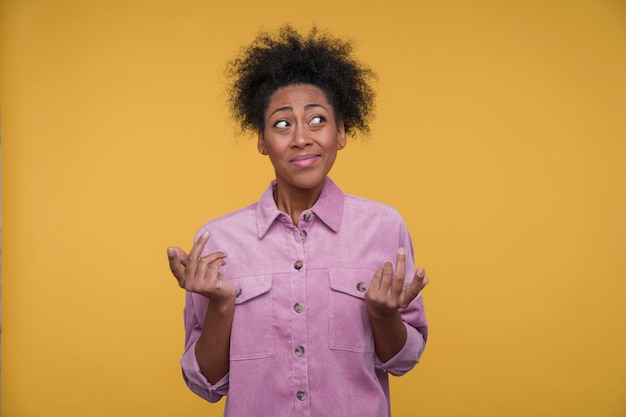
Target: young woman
<point x="294" y="307"/>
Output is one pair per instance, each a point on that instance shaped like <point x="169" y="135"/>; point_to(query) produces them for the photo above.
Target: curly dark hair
<point x="275" y="60"/>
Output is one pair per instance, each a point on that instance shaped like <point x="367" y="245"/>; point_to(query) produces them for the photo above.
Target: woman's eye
<point x="281" y="124"/>
<point x="317" y="120"/>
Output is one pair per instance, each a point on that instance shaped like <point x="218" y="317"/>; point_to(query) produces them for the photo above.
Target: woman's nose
<point x="301" y="136"/>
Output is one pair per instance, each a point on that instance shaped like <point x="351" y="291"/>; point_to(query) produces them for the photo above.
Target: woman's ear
<point x="341" y="136"/>
<point x="261" y="144"/>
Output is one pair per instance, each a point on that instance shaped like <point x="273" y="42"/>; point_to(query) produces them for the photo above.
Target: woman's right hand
<point x="201" y="275"/>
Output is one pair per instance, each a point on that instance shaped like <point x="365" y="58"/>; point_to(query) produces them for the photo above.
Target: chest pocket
<point x="349" y="325"/>
<point x="252" y="333"/>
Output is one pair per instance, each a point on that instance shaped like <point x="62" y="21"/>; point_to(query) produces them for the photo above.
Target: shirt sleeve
<point x="416" y="335"/>
<point x="194" y="379"/>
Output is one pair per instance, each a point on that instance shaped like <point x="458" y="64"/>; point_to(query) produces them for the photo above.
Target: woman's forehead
<point x="299" y="95"/>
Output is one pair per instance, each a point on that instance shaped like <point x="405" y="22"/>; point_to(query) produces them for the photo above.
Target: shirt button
<point x="303" y="234"/>
<point x="307" y="216"/>
<point x="299" y="307"/>
<point x="299" y="351"/>
<point x="301" y="395"/>
<point x="237" y="292"/>
<point x="298" y="265"/>
<point x="361" y="287"/>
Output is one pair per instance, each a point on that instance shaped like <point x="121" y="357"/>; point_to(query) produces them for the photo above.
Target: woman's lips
<point x="305" y="160"/>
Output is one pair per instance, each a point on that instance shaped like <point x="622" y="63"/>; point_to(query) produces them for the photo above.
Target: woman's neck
<point x="294" y="201"/>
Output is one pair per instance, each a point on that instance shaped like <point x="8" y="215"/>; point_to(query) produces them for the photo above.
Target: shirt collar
<point x="328" y="208"/>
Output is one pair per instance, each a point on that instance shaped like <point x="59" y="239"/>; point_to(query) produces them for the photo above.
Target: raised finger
<point x="398" y="280"/>
<point x="419" y="281"/>
<point x="386" y="278"/>
<point x="194" y="255"/>
<point x="177" y="257"/>
<point x="375" y="283"/>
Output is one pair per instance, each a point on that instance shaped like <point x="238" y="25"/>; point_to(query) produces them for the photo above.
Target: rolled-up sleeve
<point x="416" y="335"/>
<point x="192" y="375"/>
<point x="197" y="382"/>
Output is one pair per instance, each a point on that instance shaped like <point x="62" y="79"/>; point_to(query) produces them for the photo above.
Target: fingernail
<point x="170" y="252"/>
<point x="401" y="251"/>
<point x="205" y="235"/>
<point x="420" y="272"/>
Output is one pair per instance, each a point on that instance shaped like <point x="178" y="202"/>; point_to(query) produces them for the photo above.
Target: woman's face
<point x="301" y="136"/>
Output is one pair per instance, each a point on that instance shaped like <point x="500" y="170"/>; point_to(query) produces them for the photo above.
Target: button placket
<point x="297" y="243"/>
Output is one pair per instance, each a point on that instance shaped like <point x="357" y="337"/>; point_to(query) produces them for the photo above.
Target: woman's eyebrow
<point x="282" y="109"/>
<point x="310" y="106"/>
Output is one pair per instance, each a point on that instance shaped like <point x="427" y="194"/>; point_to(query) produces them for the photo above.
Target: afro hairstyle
<point x="285" y="58"/>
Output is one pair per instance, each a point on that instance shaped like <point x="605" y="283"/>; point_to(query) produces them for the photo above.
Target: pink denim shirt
<point x="301" y="342"/>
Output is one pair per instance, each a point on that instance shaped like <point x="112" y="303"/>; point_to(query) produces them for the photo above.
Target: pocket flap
<point x="353" y="282"/>
<point x="250" y="287"/>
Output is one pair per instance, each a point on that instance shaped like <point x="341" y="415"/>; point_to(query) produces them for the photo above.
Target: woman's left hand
<point x="388" y="292"/>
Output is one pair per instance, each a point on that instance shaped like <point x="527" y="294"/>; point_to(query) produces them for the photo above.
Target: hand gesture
<point x="201" y="275"/>
<point x="388" y="292"/>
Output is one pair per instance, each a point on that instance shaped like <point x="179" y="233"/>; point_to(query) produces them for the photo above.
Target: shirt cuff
<point x="403" y="361"/>
<point x="197" y="382"/>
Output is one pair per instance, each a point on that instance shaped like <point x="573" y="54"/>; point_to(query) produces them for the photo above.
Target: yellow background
<point x="500" y="136"/>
